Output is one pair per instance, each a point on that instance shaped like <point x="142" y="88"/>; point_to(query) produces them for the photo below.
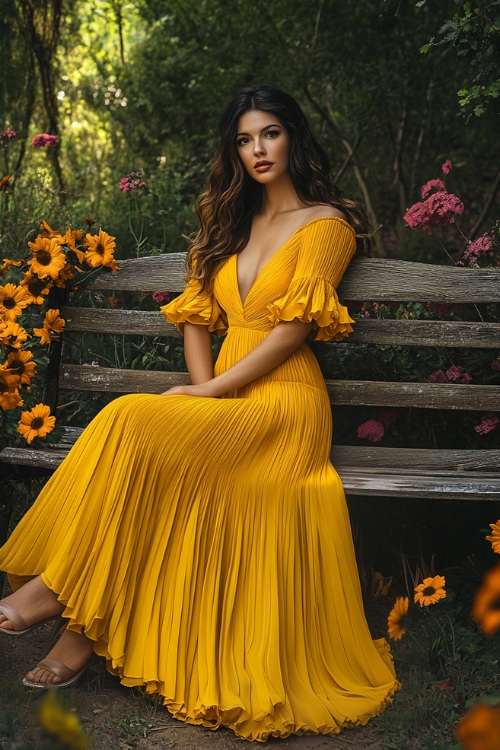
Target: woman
<point x="199" y="540"/>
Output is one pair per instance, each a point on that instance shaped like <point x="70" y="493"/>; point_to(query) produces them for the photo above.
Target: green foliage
<point x="474" y="34"/>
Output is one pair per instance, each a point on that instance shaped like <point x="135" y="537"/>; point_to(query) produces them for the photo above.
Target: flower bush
<point x="29" y="326"/>
<point x="438" y="209"/>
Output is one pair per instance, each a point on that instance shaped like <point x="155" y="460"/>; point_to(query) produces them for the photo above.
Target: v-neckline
<point x="292" y="236"/>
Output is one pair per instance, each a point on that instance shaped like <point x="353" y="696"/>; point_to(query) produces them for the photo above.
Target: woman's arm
<point x="198" y="353"/>
<point x="279" y="344"/>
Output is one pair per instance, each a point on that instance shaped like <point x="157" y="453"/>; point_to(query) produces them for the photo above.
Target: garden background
<point x="393" y="89"/>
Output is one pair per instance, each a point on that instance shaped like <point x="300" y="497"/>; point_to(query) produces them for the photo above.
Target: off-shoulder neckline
<point x="320" y="218"/>
<point x="273" y="256"/>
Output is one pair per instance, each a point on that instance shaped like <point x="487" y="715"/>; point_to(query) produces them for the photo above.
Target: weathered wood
<point x="435" y="485"/>
<point x="342" y="392"/>
<point x="94" y="378"/>
<point x="419" y="395"/>
<point x="129" y="322"/>
<point x="368" y="331"/>
<point x="447" y="333"/>
<point x="427" y="459"/>
<point x="425" y="482"/>
<point x="365" y="279"/>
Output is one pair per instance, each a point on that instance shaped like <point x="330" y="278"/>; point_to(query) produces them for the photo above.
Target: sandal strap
<point x="57" y="668"/>
<point x="13" y="616"/>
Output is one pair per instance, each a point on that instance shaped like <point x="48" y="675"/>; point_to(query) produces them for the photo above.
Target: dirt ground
<point x="119" y="718"/>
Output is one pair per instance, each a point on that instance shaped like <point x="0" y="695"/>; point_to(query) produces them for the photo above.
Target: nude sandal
<point x="66" y="675"/>
<point x="20" y="627"/>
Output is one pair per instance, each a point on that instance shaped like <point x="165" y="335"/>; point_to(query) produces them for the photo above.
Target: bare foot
<point x="72" y="649"/>
<point x="34" y="602"/>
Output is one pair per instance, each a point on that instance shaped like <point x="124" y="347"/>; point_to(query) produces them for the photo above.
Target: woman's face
<point x="263" y="144"/>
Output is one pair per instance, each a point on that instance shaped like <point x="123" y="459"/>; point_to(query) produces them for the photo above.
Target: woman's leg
<point x="34" y="602"/>
<point x="72" y="649"/>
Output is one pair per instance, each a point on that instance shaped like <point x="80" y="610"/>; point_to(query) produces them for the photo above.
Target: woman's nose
<point x="258" y="147"/>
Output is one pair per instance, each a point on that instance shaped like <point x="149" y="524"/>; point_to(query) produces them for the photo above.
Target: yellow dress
<point x="204" y="544"/>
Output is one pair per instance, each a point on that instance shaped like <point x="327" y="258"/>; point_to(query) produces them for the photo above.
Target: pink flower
<point x="446" y="167"/>
<point x="432" y="185"/>
<point x="161" y="298"/>
<point x="454" y="374"/>
<point x="489" y="422"/>
<point x="438" y="208"/>
<point x="372" y="430"/>
<point x="132" y="182"/>
<point x="457" y="374"/>
<point x="482" y="246"/>
<point x="44" y="140"/>
<point x="7" y="136"/>
<point x="495" y="365"/>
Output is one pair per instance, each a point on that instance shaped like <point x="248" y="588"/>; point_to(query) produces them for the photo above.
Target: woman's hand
<point x="189" y="390"/>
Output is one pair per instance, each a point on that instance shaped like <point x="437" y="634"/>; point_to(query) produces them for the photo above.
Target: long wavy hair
<point x="232" y="197"/>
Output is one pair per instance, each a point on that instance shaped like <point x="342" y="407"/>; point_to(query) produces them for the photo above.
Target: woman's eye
<point x="242" y="141"/>
<point x="272" y="133"/>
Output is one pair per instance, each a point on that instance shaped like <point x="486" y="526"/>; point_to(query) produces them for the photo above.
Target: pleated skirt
<point x="205" y="546"/>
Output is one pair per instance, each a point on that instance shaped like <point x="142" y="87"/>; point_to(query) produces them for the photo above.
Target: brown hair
<point x="231" y="199"/>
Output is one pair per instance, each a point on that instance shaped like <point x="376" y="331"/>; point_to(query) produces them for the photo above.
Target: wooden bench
<point x="365" y="470"/>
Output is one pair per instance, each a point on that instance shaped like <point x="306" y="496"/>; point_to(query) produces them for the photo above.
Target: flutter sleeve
<point x="327" y="246"/>
<point x="196" y="306"/>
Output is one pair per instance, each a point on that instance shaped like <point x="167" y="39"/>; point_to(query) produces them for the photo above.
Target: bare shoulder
<point x="321" y="211"/>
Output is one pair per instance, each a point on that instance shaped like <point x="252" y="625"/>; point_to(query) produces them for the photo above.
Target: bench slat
<point x="454" y="396"/>
<point x="465" y="460"/>
<point x="357" y="480"/>
<point x="342" y="392"/>
<point x="398" y="332"/>
<point x="435" y="485"/>
<point x="365" y="279"/>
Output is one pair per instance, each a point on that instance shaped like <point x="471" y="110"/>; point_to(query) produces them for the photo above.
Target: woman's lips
<point x="263" y="166"/>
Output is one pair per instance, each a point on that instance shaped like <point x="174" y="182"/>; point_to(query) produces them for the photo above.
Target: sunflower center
<point x="429" y="591"/>
<point x="9" y="303"/>
<point x="35" y="286"/>
<point x="37" y="423"/>
<point x="495" y="604"/>
<point x="17" y="366"/>
<point x="43" y="257"/>
<point x="99" y="248"/>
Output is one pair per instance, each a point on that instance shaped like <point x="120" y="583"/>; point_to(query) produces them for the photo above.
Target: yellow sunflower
<point x="52" y="323"/>
<point x="430" y="591"/>
<point x="10" y="401"/>
<point x="46" y="231"/>
<point x="64" y="275"/>
<point x="480" y="728"/>
<point x="36" y="423"/>
<point x="7" y="264"/>
<point x="13" y="300"/>
<point x="12" y="334"/>
<point x="22" y="364"/>
<point x="396" y="618"/>
<point x="494" y="537"/>
<point x="49" y="258"/>
<point x="36" y="288"/>
<point x="71" y="237"/>
<point x="9" y="380"/>
<point x="486" y="609"/>
<point x="100" y="250"/>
